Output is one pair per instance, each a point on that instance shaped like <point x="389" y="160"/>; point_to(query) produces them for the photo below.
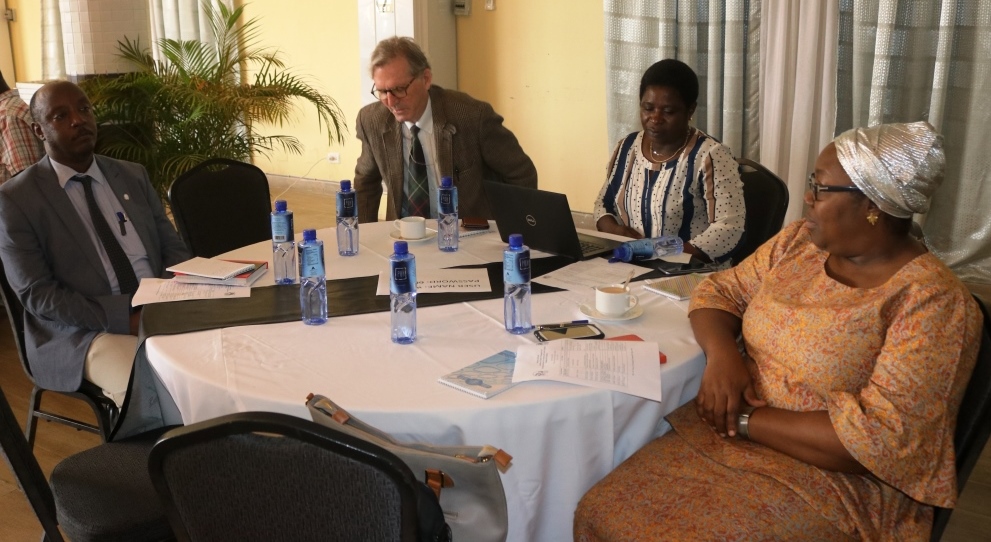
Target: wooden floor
<point x="313" y="206"/>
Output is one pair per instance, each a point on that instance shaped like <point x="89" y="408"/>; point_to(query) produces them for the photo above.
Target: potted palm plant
<point x="201" y="102"/>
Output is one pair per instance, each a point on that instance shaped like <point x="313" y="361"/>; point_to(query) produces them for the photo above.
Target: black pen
<point x="573" y="323"/>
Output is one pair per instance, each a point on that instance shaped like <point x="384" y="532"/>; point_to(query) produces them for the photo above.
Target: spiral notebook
<point x="484" y="378"/>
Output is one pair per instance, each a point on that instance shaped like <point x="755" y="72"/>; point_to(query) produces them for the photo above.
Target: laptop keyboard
<point x="589" y="246"/>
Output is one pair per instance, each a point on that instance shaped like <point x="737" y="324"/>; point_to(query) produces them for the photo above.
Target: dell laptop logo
<point x="531" y="220"/>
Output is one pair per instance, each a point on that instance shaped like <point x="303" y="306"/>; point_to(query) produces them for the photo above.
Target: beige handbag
<point x="464" y="478"/>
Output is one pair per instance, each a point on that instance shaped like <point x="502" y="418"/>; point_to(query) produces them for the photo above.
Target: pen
<point x="121" y="220"/>
<point x="573" y="323"/>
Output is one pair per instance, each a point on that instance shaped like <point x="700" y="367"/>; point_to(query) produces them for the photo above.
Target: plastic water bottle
<point x="402" y="293"/>
<point x="447" y="216"/>
<point x="648" y="249"/>
<point x="347" y="220"/>
<point x="283" y="244"/>
<point x="516" y="280"/>
<point x="312" y="280"/>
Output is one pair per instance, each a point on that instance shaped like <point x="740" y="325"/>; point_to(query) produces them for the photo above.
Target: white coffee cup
<point x="614" y="300"/>
<point x="412" y="227"/>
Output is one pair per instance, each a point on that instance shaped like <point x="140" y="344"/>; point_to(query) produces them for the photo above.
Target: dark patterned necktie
<point x="418" y="202"/>
<point x="126" y="279"/>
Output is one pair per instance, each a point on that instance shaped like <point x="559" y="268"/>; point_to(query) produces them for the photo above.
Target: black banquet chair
<point x="766" y="198"/>
<point x="221" y="205"/>
<point x="973" y="421"/>
<point x="103" y="407"/>
<point x="262" y="476"/>
<point x="104" y="493"/>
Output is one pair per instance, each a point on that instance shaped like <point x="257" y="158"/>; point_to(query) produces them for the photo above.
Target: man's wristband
<point x="743" y="422"/>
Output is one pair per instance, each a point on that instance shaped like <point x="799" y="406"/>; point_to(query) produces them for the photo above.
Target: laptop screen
<point x="543" y="218"/>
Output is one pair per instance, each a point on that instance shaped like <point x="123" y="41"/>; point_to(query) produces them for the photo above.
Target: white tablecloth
<point x="563" y="438"/>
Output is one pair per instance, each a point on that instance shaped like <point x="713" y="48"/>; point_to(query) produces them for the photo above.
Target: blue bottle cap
<point x="622" y="253"/>
<point x="515" y="241"/>
<point x="309" y="235"/>
<point x="280" y="206"/>
<point x="446" y="182"/>
<point x="400" y="248"/>
<point x="345" y="185"/>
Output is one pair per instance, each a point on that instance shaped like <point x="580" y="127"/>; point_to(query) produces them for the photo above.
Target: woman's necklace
<point x="654" y="154"/>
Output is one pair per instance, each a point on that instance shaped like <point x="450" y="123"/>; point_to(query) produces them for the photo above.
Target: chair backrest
<point x="103" y="407"/>
<point x="15" y="313"/>
<point x="266" y="476"/>
<point x="766" y="197"/>
<point x="973" y="420"/>
<point x="27" y="471"/>
<point x="220" y="205"/>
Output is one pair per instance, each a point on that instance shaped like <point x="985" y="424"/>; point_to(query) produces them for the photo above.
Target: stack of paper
<point x="219" y="272"/>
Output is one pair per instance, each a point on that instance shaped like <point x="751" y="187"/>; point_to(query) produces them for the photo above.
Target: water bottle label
<point x="448" y="201"/>
<point x="516" y="267"/>
<point x="403" y="280"/>
<point x="282" y="228"/>
<point x="642" y="249"/>
<point x="311" y="260"/>
<point x="346" y="206"/>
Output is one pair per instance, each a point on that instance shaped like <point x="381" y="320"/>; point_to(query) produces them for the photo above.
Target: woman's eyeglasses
<point x="398" y="92"/>
<point x="816" y="187"/>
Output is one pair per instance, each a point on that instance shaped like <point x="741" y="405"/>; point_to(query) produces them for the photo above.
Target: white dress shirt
<point x="109" y="206"/>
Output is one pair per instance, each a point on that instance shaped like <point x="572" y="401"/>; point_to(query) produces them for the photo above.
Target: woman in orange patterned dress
<point x="836" y="419"/>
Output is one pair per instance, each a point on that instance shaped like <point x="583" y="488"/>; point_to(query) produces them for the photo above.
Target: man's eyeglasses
<point x="397" y="92"/>
<point x="816" y="187"/>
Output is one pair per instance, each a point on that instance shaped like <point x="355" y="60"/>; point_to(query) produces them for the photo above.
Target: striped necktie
<point x="126" y="279"/>
<point x="417" y="190"/>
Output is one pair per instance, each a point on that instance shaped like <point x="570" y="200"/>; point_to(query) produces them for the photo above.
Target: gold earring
<point x="872" y="217"/>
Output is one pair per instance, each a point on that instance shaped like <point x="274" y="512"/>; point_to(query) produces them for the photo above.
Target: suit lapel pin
<point x="126" y="197"/>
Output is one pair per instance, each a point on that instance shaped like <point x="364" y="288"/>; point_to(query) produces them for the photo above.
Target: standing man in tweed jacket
<point x="458" y="136"/>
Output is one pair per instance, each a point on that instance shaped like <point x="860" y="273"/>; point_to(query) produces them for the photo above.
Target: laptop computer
<point x="544" y="219"/>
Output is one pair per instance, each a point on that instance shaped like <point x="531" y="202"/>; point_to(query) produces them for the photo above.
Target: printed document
<point x="628" y="367"/>
<point x="580" y="276"/>
<point x="164" y="290"/>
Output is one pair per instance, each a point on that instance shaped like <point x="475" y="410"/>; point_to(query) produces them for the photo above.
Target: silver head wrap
<point x="897" y="166"/>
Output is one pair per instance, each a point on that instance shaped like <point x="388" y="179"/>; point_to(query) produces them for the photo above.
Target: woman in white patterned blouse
<point x="671" y="178"/>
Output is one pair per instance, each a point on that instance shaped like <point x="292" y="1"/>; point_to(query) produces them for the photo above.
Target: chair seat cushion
<point x="105" y="493"/>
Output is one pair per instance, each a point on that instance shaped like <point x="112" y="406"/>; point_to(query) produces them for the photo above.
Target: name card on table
<point x="436" y="281"/>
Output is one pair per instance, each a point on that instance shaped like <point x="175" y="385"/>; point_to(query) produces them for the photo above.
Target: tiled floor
<point x="313" y="205"/>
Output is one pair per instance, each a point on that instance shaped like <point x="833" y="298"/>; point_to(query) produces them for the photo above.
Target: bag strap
<point x="437" y="480"/>
<point x="341" y="416"/>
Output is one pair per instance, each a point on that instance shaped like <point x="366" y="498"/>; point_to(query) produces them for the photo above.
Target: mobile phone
<point x="570" y="331"/>
<point x="474" y="223"/>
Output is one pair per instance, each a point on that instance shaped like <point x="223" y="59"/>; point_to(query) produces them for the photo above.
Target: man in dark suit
<point x="457" y="136"/>
<point x="74" y="282"/>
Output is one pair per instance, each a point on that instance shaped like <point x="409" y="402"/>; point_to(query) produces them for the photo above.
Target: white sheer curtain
<point x="52" y="56"/>
<point x="908" y="61"/>
<point x="717" y="38"/>
<point x="766" y="69"/>
<point x="797" y="89"/>
<point x="176" y="19"/>
<point x="181" y="20"/>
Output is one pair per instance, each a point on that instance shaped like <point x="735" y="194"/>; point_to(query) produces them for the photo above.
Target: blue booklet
<point x="486" y="377"/>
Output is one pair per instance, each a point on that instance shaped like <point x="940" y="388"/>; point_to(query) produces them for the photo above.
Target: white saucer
<point x="430" y="235"/>
<point x="592" y="313"/>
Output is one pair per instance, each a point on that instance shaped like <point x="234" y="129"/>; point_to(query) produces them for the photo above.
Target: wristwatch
<point x="743" y="422"/>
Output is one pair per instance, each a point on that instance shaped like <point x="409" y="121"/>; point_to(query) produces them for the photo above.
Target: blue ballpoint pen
<point x="121" y="220"/>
